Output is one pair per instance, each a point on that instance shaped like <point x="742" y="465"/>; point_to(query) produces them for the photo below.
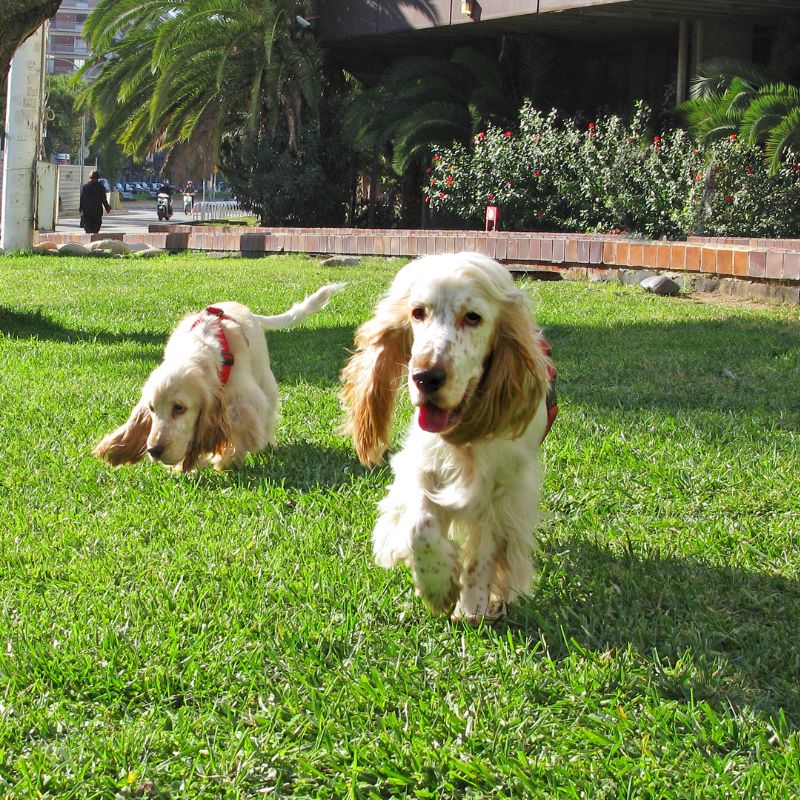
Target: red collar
<point x="552" y="401"/>
<point x="227" y="355"/>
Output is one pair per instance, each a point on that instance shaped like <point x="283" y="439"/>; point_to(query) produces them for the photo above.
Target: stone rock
<point x="341" y="261"/>
<point x="73" y="249"/>
<point x="706" y="283"/>
<point x="110" y="246"/>
<point x="146" y="251"/>
<point x="661" y="284"/>
<point x="141" y="247"/>
<point x="634" y="277"/>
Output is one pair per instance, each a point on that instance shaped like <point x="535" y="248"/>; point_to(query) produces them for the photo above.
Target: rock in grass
<point x="660" y="284"/>
<point x="110" y="246"/>
<point x="73" y="249"/>
<point x="340" y="261"/>
<point x="634" y="277"/>
<point x="146" y="252"/>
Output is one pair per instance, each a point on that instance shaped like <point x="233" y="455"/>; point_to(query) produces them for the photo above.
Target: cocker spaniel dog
<point x="462" y="508"/>
<point x="213" y="399"/>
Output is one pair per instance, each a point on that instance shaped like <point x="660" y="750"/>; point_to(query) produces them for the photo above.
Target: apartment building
<point x="574" y="54"/>
<point x="66" y="47"/>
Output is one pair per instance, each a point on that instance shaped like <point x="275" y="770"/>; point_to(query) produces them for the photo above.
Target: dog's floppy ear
<point x="128" y="443"/>
<point x="371" y="378"/>
<point x="515" y="381"/>
<point x="211" y="430"/>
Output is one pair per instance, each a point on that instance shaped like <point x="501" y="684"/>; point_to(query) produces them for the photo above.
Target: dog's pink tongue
<point x="432" y="419"/>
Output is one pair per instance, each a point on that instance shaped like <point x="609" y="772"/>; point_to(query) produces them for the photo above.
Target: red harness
<point x="227" y="355"/>
<point x="552" y="401"/>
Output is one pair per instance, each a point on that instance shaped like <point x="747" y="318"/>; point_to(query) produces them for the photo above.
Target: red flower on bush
<point x="729" y="199"/>
<point x="449" y="181"/>
<point x="426" y="199"/>
<point x="537" y="173"/>
<point x="481" y="136"/>
<point x="507" y="134"/>
<point x="435" y="159"/>
<point x="442" y="195"/>
<point x="698" y="177"/>
<point x="490" y="197"/>
<point x="656" y="139"/>
<point x="591" y="126"/>
<point x="433" y="181"/>
<point x="732" y="137"/>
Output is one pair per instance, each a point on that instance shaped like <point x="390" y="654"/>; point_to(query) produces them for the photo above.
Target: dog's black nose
<point x="156" y="452"/>
<point x="429" y="380"/>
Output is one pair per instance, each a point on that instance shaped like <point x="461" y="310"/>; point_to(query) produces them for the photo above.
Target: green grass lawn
<point x="227" y="635"/>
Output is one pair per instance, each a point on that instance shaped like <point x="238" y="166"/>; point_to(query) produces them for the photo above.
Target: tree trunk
<point x="20" y="19"/>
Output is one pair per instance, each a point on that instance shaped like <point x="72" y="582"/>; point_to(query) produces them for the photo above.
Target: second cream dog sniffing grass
<point x="213" y="399"/>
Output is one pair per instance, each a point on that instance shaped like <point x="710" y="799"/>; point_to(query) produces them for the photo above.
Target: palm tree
<point x="421" y="102"/>
<point x="428" y="100"/>
<point x="179" y="73"/>
<point x="732" y="97"/>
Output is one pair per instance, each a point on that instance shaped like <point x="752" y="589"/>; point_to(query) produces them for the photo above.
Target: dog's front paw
<point x="439" y="589"/>
<point x="494" y="612"/>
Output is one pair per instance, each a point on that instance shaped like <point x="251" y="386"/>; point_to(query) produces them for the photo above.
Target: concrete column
<point x="683" y="61"/>
<point x="23" y="121"/>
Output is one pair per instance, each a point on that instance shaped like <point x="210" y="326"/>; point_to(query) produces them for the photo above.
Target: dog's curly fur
<point x="462" y="508"/>
<point x="186" y="417"/>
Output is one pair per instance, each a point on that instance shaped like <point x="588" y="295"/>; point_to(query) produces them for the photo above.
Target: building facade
<point x="573" y="54"/>
<point x="66" y="48"/>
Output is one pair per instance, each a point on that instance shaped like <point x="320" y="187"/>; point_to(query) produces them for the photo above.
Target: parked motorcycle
<point x="163" y="206"/>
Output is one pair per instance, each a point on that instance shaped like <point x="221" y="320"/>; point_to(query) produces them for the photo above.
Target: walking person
<point x="93" y="201"/>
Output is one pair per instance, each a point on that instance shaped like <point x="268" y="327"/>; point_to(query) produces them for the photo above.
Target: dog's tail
<point x="299" y="311"/>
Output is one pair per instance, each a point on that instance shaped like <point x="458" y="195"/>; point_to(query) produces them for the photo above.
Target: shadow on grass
<point x="35" y="325"/>
<point x="714" y="634"/>
<point x="734" y="364"/>
<point x="298" y="467"/>
<point x="313" y="355"/>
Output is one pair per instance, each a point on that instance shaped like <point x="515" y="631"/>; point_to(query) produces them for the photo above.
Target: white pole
<point x="23" y="110"/>
<point x="82" y="154"/>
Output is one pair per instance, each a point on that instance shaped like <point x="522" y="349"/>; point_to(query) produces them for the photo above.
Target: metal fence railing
<point x="217" y="209"/>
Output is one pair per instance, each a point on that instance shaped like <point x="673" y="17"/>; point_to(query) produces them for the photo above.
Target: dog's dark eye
<point x="472" y="318"/>
<point x="418" y="313"/>
<point x="178" y="409"/>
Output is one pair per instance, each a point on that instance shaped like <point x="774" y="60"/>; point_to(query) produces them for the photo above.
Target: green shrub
<point x="611" y="176"/>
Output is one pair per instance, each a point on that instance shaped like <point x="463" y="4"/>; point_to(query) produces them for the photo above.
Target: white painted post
<point x="23" y="120"/>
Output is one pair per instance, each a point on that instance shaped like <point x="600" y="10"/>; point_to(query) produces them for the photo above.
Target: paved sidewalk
<point x="133" y="217"/>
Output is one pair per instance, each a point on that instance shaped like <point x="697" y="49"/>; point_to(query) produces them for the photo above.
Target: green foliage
<point x="64" y="120"/>
<point x="213" y="636"/>
<point x="737" y="98"/>
<point x="423" y="101"/>
<point x="182" y="73"/>
<point x="310" y="186"/>
<point x="612" y="176"/>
